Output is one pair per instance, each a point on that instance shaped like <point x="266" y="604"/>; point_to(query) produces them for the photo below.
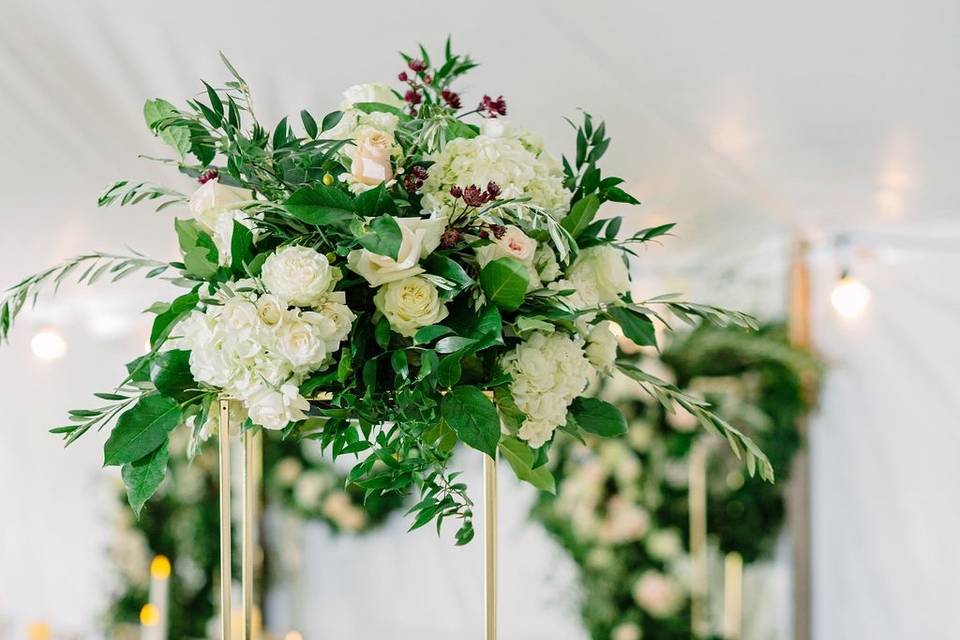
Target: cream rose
<point x="602" y="269"/>
<point x="602" y="348"/>
<point x="215" y="207"/>
<point x="298" y="275"/>
<point x="514" y="243"/>
<point x="371" y="157"/>
<point x="419" y="238"/>
<point x="409" y="304"/>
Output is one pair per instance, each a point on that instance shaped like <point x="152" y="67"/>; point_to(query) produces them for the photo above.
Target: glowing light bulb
<point x="149" y="615"/>
<point x="160" y="568"/>
<point x="48" y="345"/>
<point x="850" y="298"/>
<point x="293" y="635"/>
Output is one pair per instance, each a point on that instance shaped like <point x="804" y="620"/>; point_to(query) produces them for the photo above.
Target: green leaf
<point x="374" y="202"/>
<point x="474" y="417"/>
<point x="309" y="124"/>
<point x="398" y="360"/>
<point x="241" y="247"/>
<point x="510" y="413"/>
<point x="379" y="107"/>
<point x="521" y="459"/>
<point x="430" y="333"/>
<point x="449" y="269"/>
<point x="321" y="205"/>
<point x="155" y="112"/>
<point x="581" y="215"/>
<point x="331" y="120"/>
<point x="170" y="373"/>
<point x="381" y="236"/>
<point x="453" y="343"/>
<point x="457" y="129"/>
<point x="200" y="254"/>
<point x="179" y="308"/>
<point x="636" y="326"/>
<point x="505" y="282"/>
<point x="616" y="194"/>
<point x="143" y="477"/>
<point x="599" y="417"/>
<point x="140" y="430"/>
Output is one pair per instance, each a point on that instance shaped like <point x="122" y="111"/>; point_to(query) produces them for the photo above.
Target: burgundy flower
<point x="413" y="97"/>
<point x="411" y="182"/>
<point x="498" y="230"/>
<point x="451" y="98"/>
<point x="493" y="189"/>
<point x="493" y="107"/>
<point x="427" y="79"/>
<point x="473" y="196"/>
<point x="450" y="238"/>
<point x="402" y="76"/>
<point x="420" y="171"/>
<point x="456" y="191"/>
<point x="417" y="65"/>
<point x="208" y="175"/>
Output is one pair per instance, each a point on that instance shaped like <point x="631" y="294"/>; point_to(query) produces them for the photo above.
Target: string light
<point x="850" y="297"/>
<point x="48" y="345"/>
<point x="160" y="568"/>
<point x="149" y="615"/>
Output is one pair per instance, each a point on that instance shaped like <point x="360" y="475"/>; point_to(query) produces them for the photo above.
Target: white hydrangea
<point x="499" y="154"/>
<point x="258" y="350"/>
<point x="549" y="370"/>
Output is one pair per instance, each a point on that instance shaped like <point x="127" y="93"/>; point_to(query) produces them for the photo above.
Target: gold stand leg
<point x="226" y="567"/>
<point x="249" y="526"/>
<point x="490" y="547"/>
<point x="732" y="596"/>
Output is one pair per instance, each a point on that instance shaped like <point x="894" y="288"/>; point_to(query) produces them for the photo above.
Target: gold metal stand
<point x="489" y="548"/>
<point x="732" y="596"/>
<point x="249" y="495"/>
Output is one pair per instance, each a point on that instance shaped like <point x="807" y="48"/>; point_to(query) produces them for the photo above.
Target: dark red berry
<point x="402" y="77"/>
<point x="473" y="196"/>
<point x="493" y="107"/>
<point x="456" y="191"/>
<point x="208" y="175"/>
<point x="493" y="189"/>
<point x="450" y="238"/>
<point x="451" y="98"/>
<point x="417" y="65"/>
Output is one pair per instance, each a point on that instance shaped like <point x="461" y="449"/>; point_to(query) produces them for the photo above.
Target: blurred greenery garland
<point x="182" y="523"/>
<point x="621" y="508"/>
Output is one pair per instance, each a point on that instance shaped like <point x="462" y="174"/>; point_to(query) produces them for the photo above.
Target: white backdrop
<point x="744" y="121"/>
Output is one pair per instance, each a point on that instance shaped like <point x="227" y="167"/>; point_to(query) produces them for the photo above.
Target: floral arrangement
<point x="403" y="275"/>
<point x="621" y="508"/>
<point x="182" y="525"/>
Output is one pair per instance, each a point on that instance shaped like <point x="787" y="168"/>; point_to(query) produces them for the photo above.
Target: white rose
<point x="215" y="207"/>
<point x="275" y="409"/>
<point x="409" y="304"/>
<point x="342" y="318"/>
<point x="664" y="544"/>
<point x="340" y="509"/>
<point x="287" y="471"/>
<point x="309" y="488"/>
<point x="514" y="243"/>
<point x="545" y="262"/>
<point x="371" y="92"/>
<point x="301" y="342"/>
<point x="602" y="348"/>
<point x="298" y="275"/>
<point x="270" y="309"/>
<point x="419" y="238"/>
<point x="603" y="267"/>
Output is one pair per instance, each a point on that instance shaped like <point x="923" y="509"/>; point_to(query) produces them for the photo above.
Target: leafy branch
<point x="687" y="311"/>
<point x="670" y="396"/>
<point x="97" y="266"/>
<point x="126" y="193"/>
<point x="85" y="419"/>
